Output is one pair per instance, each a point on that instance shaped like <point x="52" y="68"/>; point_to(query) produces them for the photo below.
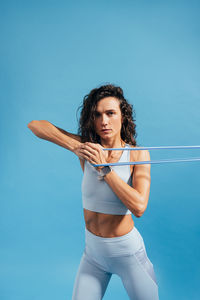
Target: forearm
<point x="131" y="198"/>
<point x="47" y="131"/>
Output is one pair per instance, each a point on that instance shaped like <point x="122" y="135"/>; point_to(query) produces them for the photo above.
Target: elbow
<point x="141" y="206"/>
<point x="34" y="126"/>
<point x="138" y="214"/>
<point x="31" y="124"/>
<point x="37" y="123"/>
<point x="140" y="211"/>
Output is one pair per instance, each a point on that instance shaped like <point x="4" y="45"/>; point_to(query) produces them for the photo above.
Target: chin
<point x="106" y="135"/>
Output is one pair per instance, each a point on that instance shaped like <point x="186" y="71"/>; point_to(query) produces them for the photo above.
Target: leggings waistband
<point x="126" y="244"/>
<point x="97" y="238"/>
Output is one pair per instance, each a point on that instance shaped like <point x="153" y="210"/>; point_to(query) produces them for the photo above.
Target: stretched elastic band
<point x="148" y="162"/>
<point x="155" y="148"/>
<point x="151" y="161"/>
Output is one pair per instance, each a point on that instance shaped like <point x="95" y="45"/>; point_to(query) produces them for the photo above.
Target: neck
<point x="119" y="143"/>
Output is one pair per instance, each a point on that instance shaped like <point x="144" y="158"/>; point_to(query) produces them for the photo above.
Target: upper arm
<point x="48" y="131"/>
<point x="141" y="179"/>
<point x="38" y="127"/>
<point x="72" y="135"/>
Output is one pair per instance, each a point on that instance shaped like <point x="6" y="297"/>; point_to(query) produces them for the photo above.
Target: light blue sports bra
<point x="98" y="196"/>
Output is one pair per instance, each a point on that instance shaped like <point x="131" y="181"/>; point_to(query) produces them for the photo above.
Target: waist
<point x="106" y="225"/>
<point x="126" y="244"/>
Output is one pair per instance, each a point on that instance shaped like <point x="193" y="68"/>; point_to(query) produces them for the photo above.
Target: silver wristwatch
<point x="104" y="171"/>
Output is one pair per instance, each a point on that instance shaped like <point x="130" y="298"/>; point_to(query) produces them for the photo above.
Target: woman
<point x="113" y="245"/>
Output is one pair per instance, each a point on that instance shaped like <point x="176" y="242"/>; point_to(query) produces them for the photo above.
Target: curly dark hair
<point x="86" y="122"/>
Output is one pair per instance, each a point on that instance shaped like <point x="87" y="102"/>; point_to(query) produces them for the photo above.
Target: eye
<point x="110" y="113"/>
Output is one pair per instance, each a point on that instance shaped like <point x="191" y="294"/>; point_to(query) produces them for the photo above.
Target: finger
<point x="93" y="145"/>
<point x="85" y="154"/>
<point x="89" y="156"/>
<point x="89" y="151"/>
<point x="93" y="152"/>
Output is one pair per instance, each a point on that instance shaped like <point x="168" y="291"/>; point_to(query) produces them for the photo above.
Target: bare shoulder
<point x="139" y="155"/>
<point x="143" y="155"/>
<point x="136" y="155"/>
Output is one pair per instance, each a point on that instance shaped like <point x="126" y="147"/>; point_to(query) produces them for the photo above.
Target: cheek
<point x="117" y="123"/>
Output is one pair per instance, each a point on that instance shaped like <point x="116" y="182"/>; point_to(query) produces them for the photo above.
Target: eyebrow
<point x="108" y="110"/>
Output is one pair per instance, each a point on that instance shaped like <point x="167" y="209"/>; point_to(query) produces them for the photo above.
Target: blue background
<point x="52" y="54"/>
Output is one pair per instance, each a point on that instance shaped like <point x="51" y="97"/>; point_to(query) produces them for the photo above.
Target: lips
<point x="106" y="130"/>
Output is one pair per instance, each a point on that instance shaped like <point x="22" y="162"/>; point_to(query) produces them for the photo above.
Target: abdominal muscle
<point x="106" y="225"/>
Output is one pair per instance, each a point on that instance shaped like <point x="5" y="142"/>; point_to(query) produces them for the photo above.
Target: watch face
<point x="106" y="170"/>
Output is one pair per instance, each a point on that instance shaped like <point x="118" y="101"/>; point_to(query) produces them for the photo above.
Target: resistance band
<point x="151" y="161"/>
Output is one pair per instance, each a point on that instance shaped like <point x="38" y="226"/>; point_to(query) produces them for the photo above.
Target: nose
<point x="104" y="120"/>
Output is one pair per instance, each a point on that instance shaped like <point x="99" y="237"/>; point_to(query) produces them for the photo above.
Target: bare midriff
<point x="106" y="225"/>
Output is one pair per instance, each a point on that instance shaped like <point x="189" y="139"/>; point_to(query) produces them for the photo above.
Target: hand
<point x="93" y="153"/>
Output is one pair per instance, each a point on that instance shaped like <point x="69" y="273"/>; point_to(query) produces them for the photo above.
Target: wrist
<point x="99" y="168"/>
<point x="104" y="171"/>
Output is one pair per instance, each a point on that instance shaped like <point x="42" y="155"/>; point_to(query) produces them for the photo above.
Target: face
<point x="108" y="118"/>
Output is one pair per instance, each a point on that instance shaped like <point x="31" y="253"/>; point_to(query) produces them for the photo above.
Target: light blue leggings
<point x="125" y="256"/>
